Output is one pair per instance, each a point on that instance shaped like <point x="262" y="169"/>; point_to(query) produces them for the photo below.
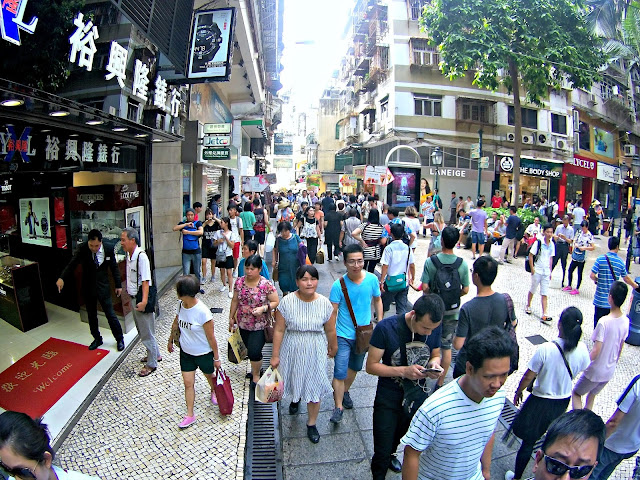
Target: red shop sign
<point x="583" y="166"/>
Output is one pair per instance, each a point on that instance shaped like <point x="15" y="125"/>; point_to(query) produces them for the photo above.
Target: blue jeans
<point x="346" y="358"/>
<point x="400" y="297"/>
<point x="189" y="259"/>
<point x="608" y="462"/>
<point x="478" y="237"/>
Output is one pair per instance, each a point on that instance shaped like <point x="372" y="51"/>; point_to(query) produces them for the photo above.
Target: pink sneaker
<point x="187" y="421"/>
<point x="568" y="288"/>
<point x="574" y="292"/>
<point x="214" y="399"/>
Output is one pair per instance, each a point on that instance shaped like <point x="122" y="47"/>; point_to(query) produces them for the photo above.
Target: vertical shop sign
<point x="83" y="45"/>
<point x="11" y="20"/>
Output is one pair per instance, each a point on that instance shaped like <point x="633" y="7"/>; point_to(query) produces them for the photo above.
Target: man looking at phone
<point x="419" y="332"/>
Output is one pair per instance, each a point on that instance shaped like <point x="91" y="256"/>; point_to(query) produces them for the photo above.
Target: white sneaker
<point x="203" y="281"/>
<point x="223" y="288"/>
<point x="230" y="294"/>
<point x="213" y="280"/>
<point x="235" y="274"/>
<point x="509" y="475"/>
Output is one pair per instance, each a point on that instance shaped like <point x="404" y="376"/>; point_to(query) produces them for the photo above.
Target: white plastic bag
<point x="270" y="387"/>
<point x="270" y="242"/>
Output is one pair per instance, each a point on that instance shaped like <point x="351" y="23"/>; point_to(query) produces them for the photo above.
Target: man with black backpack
<point x="539" y="262"/>
<point x="394" y="217"/>
<point x="447" y="275"/>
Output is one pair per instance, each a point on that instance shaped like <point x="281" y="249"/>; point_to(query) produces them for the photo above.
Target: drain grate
<point x="507" y="416"/>
<point x="263" y="459"/>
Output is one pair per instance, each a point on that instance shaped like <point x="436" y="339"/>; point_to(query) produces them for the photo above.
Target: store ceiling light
<point x="156" y="140"/>
<point x="12" y="102"/>
<point x="95" y="122"/>
<point x="119" y="129"/>
<point x="59" y="113"/>
<point x="141" y="135"/>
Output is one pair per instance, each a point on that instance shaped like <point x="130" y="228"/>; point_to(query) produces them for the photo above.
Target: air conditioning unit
<point x="630" y="150"/>
<point x="543" y="139"/>
<point x="527" y="139"/>
<point x="576" y="142"/>
<point x="561" y="143"/>
<point x="576" y="121"/>
<point x="511" y="137"/>
<point x="592" y="99"/>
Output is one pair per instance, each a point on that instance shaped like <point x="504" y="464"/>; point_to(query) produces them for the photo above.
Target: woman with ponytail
<point x="25" y="450"/>
<point x="552" y="368"/>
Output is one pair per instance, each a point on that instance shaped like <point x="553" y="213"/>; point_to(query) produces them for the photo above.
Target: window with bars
<point x="423" y="54"/>
<point x="133" y="109"/>
<point x="416" y="7"/>
<point x="474" y="112"/>
<point x="427" y="105"/>
<point x="607" y="88"/>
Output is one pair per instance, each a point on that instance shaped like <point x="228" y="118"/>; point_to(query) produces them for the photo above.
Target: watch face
<point x="207" y="42"/>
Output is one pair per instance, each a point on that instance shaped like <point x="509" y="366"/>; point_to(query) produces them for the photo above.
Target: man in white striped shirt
<point x="451" y="435"/>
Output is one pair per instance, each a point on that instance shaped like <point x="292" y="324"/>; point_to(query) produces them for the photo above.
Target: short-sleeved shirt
<point x="547" y="252"/>
<point x="235" y="224"/>
<point x="371" y="234"/>
<point x="451" y="431"/>
<point x="428" y="209"/>
<point x="208" y="235"/>
<point x="190" y="243"/>
<point x="264" y="271"/>
<point x="454" y="203"/>
<point x="626" y="438"/>
<point x="248" y="219"/>
<point x="534" y="230"/>
<point x="553" y="380"/>
<point x="360" y="296"/>
<point x="398" y="257"/>
<point x="513" y="223"/>
<point x="496" y="202"/>
<point x="429" y="271"/>
<point x="388" y="335"/>
<point x="566" y="231"/>
<point x="259" y="225"/>
<point x="250" y="298"/>
<point x="605" y="280"/>
<point x="407" y="229"/>
<point x="138" y="270"/>
<point x="193" y="340"/>
<point x="612" y="332"/>
<point x="233" y="236"/>
<point x="578" y="215"/>
<point x="478" y="218"/>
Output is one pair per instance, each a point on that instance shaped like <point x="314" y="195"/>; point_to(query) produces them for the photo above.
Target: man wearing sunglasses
<point x="571" y="448"/>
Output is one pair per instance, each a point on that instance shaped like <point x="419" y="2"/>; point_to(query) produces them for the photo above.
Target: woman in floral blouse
<point x="253" y="298"/>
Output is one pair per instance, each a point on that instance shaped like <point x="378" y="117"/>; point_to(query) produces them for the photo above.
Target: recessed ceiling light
<point x="118" y="143"/>
<point x="12" y="102"/>
<point x="141" y="135"/>
<point x="74" y="135"/>
<point x="95" y="122"/>
<point x="156" y="140"/>
<point x="45" y="130"/>
<point x="59" y="113"/>
<point x="119" y="129"/>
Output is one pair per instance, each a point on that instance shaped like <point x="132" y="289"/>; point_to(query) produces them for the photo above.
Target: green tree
<point x="42" y="61"/>
<point x="533" y="44"/>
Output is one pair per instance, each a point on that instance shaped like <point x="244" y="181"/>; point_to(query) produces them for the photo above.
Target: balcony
<point x="422" y="55"/>
<point x="475" y="111"/>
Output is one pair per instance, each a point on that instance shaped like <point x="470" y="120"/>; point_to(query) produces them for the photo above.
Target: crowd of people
<point x="410" y="350"/>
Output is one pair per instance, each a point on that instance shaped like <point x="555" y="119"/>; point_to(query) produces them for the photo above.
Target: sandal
<point x="144" y="359"/>
<point x="146" y="371"/>
<point x="527" y="310"/>
<point x="546" y="319"/>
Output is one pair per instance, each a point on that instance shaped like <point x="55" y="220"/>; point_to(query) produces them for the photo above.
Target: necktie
<point x="95" y="259"/>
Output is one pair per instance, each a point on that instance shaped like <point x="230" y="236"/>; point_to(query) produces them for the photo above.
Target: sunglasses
<point x="21" y="472"/>
<point x="556" y="467"/>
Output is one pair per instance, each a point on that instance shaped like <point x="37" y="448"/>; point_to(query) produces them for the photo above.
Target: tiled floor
<point x="131" y="428"/>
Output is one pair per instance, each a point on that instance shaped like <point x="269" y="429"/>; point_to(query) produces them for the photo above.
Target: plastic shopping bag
<point x="270" y="242"/>
<point x="236" y="351"/>
<point x="270" y="387"/>
<point x="224" y="393"/>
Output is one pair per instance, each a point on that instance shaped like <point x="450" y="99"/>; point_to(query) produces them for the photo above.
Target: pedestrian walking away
<point x="405" y="350"/>
<point x="513" y="224"/>
<point x="563" y="238"/>
<point x="478" y="229"/>
<point x="608" y="339"/>
<point x="304" y="336"/>
<point x="398" y="272"/>
<point x="139" y="277"/>
<point x="582" y="243"/>
<point x="578" y="215"/>
<point x="197" y="342"/>
<point x="464" y="412"/>
<point x="97" y="259"/>
<point x="352" y="297"/>
<point x="551" y="385"/>
<point x="540" y="260"/>
<point x="332" y="229"/>
<point x="608" y="268"/>
<point x="369" y="235"/>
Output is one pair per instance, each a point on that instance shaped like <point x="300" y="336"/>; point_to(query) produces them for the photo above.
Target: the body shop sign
<point x="535" y="168"/>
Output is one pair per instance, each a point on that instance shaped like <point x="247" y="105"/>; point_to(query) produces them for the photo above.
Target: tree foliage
<point x="42" y="61"/>
<point x="533" y="43"/>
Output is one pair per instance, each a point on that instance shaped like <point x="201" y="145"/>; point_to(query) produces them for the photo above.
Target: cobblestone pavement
<point x="345" y="451"/>
<point x="130" y="430"/>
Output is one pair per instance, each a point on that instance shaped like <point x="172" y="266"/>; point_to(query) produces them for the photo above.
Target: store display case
<point x="21" y="298"/>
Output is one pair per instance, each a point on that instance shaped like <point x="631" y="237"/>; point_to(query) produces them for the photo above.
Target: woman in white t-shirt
<point x="551" y="369"/>
<point x="25" y="450"/>
<point x="198" y="346"/>
<point x="225" y="239"/>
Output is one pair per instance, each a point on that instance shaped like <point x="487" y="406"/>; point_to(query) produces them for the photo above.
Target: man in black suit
<point x="96" y="260"/>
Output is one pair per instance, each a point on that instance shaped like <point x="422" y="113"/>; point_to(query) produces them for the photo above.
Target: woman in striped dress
<point x="369" y="235"/>
<point x="303" y="335"/>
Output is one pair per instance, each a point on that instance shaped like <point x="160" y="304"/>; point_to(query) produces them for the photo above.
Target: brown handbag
<point x="269" y="327"/>
<point x="363" y="332"/>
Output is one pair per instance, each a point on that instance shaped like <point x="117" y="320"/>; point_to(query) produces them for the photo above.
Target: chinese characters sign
<point x="11" y="20"/>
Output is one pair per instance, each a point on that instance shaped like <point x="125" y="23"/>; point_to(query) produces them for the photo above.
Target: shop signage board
<point x="216" y="153"/>
<point x="283" y="162"/>
<point x="535" y="168"/>
<point x="283" y="149"/>
<point x="608" y="173"/>
<point x="484" y="162"/>
<point x="582" y="166"/>
<point x="216" y="128"/>
<point x="258" y="183"/>
<point x="475" y="150"/>
<point x="216" y="141"/>
<point x="210" y="53"/>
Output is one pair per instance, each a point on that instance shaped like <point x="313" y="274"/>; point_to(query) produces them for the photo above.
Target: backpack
<point x="446" y="282"/>
<point x="405" y="237"/>
<point x="527" y="267"/>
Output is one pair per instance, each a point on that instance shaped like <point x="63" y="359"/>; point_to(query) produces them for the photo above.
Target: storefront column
<point x="562" y="191"/>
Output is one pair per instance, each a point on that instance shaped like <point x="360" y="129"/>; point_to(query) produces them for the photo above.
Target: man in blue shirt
<point x="607" y="269"/>
<point x="394" y="217"/>
<point x="513" y="223"/>
<point x="191" y="254"/>
<point x="363" y="291"/>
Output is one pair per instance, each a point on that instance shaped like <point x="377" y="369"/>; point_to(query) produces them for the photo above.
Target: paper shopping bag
<point x="224" y="394"/>
<point x="236" y="350"/>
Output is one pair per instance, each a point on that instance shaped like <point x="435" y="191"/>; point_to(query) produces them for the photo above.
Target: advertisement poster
<point x="210" y="44"/>
<point x="403" y="191"/>
<point x="34" y="221"/>
<point x="135" y="219"/>
<point x="257" y="183"/>
<point x="602" y="142"/>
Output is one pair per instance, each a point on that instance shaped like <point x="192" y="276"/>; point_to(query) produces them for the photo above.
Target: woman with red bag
<point x="193" y="327"/>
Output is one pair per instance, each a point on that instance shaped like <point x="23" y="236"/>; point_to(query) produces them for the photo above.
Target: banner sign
<point x="258" y="183"/>
<point x="283" y="149"/>
<point x="535" y="168"/>
<point x="211" y="42"/>
<point x="283" y="162"/>
<point x="216" y="153"/>
<point x="375" y="175"/>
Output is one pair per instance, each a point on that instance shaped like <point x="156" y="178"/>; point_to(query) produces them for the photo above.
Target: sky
<point x="308" y="67"/>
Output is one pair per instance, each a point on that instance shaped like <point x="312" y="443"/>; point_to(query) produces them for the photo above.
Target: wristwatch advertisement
<point x="210" y="55"/>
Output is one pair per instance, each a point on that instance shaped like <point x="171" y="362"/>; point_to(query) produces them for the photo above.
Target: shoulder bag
<point x="363" y="332"/>
<point x="396" y="283"/>
<point x="175" y="329"/>
<point x="613" y="275"/>
<point x="566" y="364"/>
<point x="510" y="329"/>
<point x="153" y="292"/>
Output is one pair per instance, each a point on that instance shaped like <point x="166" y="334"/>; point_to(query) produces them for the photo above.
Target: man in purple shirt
<point x="478" y="228"/>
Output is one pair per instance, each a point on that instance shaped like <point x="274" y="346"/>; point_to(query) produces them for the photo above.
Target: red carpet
<point x="37" y="381"/>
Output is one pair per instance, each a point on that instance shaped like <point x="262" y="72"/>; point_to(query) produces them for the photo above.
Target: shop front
<point x="537" y="177"/>
<point x="608" y="189"/>
<point x="463" y="181"/>
<point x="576" y="182"/>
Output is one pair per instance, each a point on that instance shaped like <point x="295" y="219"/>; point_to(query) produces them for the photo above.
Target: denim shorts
<point x="478" y="237"/>
<point x="346" y="358"/>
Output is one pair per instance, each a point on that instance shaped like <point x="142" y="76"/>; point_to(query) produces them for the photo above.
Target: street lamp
<point x="436" y="159"/>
